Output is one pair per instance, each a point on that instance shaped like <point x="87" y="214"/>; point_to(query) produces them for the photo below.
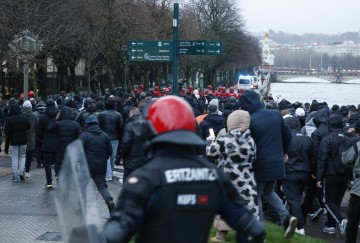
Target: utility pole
<point x="175" y="48"/>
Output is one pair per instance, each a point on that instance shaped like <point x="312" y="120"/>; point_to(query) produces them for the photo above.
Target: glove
<point x="250" y="229"/>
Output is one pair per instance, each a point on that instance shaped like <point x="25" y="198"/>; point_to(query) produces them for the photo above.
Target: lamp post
<point x="25" y="46"/>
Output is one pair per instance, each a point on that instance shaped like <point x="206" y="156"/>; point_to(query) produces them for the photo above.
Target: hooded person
<point x="272" y="149"/>
<point x="30" y="144"/>
<point x="215" y="102"/>
<point x="67" y="130"/>
<point x="235" y="152"/>
<point x="97" y="148"/>
<point x="212" y="121"/>
<point x="176" y="194"/>
<point x="297" y="170"/>
<point x="15" y="129"/>
<point x="48" y="141"/>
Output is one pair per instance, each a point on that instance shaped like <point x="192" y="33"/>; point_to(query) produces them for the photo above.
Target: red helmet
<point x="223" y="88"/>
<point x="190" y="87"/>
<point x="156" y="88"/>
<point x="231" y="88"/>
<point x="21" y="96"/>
<point x="31" y="94"/>
<point x="209" y="86"/>
<point x="170" y="88"/>
<point x="166" y="90"/>
<point x="172" y="120"/>
<point x="141" y="86"/>
<point x="135" y="91"/>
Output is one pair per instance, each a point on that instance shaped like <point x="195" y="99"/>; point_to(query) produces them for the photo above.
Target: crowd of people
<point x="198" y="155"/>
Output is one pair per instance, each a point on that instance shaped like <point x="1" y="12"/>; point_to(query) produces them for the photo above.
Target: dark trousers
<point x="293" y="187"/>
<point x="353" y="219"/>
<point x="311" y="191"/>
<point x="126" y="174"/>
<point x="49" y="159"/>
<point x="334" y="187"/>
<point x="38" y="154"/>
<point x="28" y="160"/>
<point x="99" y="180"/>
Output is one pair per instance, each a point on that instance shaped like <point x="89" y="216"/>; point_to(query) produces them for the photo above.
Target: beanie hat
<point x="27" y="104"/>
<point x="299" y="112"/>
<point x="285" y="112"/>
<point x="91" y="120"/>
<point x="239" y="120"/>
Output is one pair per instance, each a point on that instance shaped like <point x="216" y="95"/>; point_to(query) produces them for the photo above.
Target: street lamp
<point x="25" y="46"/>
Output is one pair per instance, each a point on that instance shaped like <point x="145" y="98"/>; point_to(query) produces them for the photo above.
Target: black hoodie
<point x="97" y="147"/>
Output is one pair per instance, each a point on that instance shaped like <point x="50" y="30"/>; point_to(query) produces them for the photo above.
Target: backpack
<point x="339" y="167"/>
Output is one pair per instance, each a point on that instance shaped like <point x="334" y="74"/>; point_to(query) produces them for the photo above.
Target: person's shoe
<point x="49" y="185"/>
<point x="290" y="226"/>
<point x="14" y="179"/>
<point x="329" y="230"/>
<point x="317" y="214"/>
<point x="300" y="231"/>
<point x="6" y="151"/>
<point x="343" y="226"/>
<point x="22" y="178"/>
<point x="220" y="236"/>
<point x="38" y="166"/>
<point x="27" y="174"/>
<point x="111" y="205"/>
<point x="108" y="179"/>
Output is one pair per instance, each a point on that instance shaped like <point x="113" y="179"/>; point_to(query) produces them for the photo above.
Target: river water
<point x="308" y="89"/>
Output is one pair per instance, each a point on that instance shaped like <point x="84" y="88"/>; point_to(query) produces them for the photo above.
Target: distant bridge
<point x="282" y="74"/>
<point x="298" y="77"/>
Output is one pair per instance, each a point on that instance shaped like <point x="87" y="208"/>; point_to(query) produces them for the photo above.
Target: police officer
<point x="175" y="195"/>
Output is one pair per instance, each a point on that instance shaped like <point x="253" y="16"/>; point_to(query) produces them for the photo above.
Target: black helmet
<point x="88" y="101"/>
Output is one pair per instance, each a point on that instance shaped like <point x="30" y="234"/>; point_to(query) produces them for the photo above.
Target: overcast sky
<point x="301" y="16"/>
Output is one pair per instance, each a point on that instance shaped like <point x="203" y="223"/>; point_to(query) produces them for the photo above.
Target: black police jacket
<point x="174" y="199"/>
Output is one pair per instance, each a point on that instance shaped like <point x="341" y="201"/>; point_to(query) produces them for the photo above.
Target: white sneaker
<point x="329" y="230"/>
<point x="300" y="231"/>
<point x="27" y="174"/>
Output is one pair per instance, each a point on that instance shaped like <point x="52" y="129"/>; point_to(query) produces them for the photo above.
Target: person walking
<point x="48" y="140"/>
<point x="351" y="158"/>
<point x="132" y="145"/>
<point x="329" y="178"/>
<point x="30" y="144"/>
<point x="297" y="170"/>
<point x="66" y="130"/>
<point x="234" y="152"/>
<point x="97" y="148"/>
<point x="272" y="138"/>
<point x="111" y="122"/>
<point x="15" y="129"/>
<point x="176" y="194"/>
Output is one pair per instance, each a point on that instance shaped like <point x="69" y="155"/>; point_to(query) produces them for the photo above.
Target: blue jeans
<point x="111" y="160"/>
<point x="266" y="189"/>
<point x="18" y="155"/>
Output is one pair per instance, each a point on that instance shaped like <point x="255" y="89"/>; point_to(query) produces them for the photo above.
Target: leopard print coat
<point x="235" y="152"/>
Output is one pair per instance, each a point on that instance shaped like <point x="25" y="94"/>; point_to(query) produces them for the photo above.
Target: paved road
<point x="27" y="211"/>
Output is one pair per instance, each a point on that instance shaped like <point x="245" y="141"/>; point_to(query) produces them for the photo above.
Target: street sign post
<point x="196" y="47"/>
<point x="214" y="47"/>
<point x="161" y="51"/>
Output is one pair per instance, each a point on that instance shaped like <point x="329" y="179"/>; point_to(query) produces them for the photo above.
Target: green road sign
<point x="214" y="47"/>
<point x="145" y="51"/>
<point x="192" y="47"/>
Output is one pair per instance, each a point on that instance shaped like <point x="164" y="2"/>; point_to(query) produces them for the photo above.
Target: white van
<point x="245" y="83"/>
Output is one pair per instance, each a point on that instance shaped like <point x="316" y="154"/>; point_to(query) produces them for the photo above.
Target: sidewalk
<point x="27" y="212"/>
